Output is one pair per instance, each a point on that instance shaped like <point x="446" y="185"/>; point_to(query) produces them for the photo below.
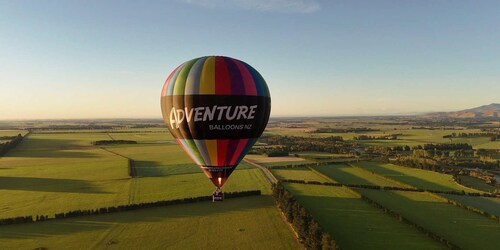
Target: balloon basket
<point x="217" y="195"/>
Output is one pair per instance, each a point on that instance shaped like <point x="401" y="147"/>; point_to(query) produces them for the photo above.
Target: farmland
<point x="348" y="174"/>
<point x="254" y="221"/>
<point x="58" y="168"/>
<point x="354" y="223"/>
<point x="418" y="178"/>
<point x="466" y="229"/>
<point x="59" y="171"/>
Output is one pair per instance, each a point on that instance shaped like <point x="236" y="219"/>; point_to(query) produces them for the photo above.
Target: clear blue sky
<point x="83" y="59"/>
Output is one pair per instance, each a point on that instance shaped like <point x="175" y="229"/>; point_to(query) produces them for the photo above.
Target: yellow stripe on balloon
<point x="207" y="79"/>
<point x="212" y="151"/>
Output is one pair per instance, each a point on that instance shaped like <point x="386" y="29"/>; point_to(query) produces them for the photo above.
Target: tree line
<point x="308" y="229"/>
<point x="344" y="130"/>
<point x="331" y="144"/>
<point x="379" y="137"/>
<point x="121" y="208"/>
<point x="493" y="136"/>
<point x="7" y="146"/>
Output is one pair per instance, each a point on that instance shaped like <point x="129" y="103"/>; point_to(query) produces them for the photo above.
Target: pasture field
<point x="51" y="173"/>
<point x="486" y="204"/>
<point x="299" y="174"/>
<point x="240" y="223"/>
<point x="277" y="161"/>
<point x="464" y="228"/>
<point x="418" y="178"/>
<point x="260" y="159"/>
<point x="347" y="174"/>
<point x="355" y="224"/>
<point x="192" y="185"/>
<point x="151" y="136"/>
<point x="476" y="183"/>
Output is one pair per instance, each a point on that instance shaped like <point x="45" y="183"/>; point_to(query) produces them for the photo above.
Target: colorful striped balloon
<point x="216" y="107"/>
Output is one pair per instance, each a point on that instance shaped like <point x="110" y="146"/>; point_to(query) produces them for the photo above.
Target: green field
<point x="51" y="173"/>
<point x="60" y="172"/>
<point x="476" y="183"/>
<point x="486" y="204"/>
<point x="418" y="178"/>
<point x="464" y="228"/>
<point x="347" y="174"/>
<point x="355" y="224"/>
<point x="299" y="174"/>
<point x="241" y="223"/>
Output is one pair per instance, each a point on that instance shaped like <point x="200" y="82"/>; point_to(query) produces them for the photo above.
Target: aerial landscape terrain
<point x="418" y="182"/>
<point x="249" y="124"/>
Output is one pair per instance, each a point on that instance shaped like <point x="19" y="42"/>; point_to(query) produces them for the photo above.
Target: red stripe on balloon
<point x="241" y="145"/>
<point x="222" y="152"/>
<point x="222" y="80"/>
<point x="248" y="81"/>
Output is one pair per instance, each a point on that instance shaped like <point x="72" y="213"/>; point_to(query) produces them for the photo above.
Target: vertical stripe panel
<point x="212" y="151"/>
<point x="171" y="83"/>
<point x="247" y="148"/>
<point x="180" y="81"/>
<point x="193" y="79"/>
<point x="247" y="78"/>
<point x="207" y="79"/>
<point x="222" y="152"/>
<point x="231" y="149"/>
<point x="202" y="148"/>
<point x="165" y="86"/>
<point x="236" y="79"/>
<point x="237" y="151"/>
<point x="222" y="80"/>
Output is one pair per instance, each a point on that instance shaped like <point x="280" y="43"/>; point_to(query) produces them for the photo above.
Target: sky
<point x="109" y="59"/>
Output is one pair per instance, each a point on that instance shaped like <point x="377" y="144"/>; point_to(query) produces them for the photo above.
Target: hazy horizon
<point x="109" y="60"/>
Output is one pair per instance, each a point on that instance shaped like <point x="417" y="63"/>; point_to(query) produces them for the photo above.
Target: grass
<point x="486" y="204"/>
<point x="355" y="224"/>
<point x="242" y="223"/>
<point x="51" y="173"/>
<point x="347" y="174"/>
<point x="415" y="177"/>
<point x="191" y="185"/>
<point x="476" y="183"/>
<point x="46" y="174"/>
<point x="464" y="228"/>
<point x="299" y="174"/>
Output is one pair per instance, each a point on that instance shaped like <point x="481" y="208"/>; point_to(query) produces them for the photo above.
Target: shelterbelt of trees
<point x="307" y="228"/>
<point x="331" y="144"/>
<point x="492" y="135"/>
<point x="14" y="140"/>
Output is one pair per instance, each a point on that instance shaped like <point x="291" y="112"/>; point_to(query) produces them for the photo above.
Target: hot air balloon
<point x="216" y="108"/>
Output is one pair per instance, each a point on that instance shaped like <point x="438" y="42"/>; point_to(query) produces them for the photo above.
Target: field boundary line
<point x="122" y="208"/>
<point x="132" y="172"/>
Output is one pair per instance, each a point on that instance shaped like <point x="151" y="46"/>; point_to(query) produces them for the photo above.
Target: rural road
<point x="264" y="170"/>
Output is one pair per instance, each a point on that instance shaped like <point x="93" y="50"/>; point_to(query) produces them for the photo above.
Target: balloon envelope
<point x="216" y="107"/>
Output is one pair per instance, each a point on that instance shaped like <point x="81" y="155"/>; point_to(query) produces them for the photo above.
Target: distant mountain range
<point x="485" y="111"/>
